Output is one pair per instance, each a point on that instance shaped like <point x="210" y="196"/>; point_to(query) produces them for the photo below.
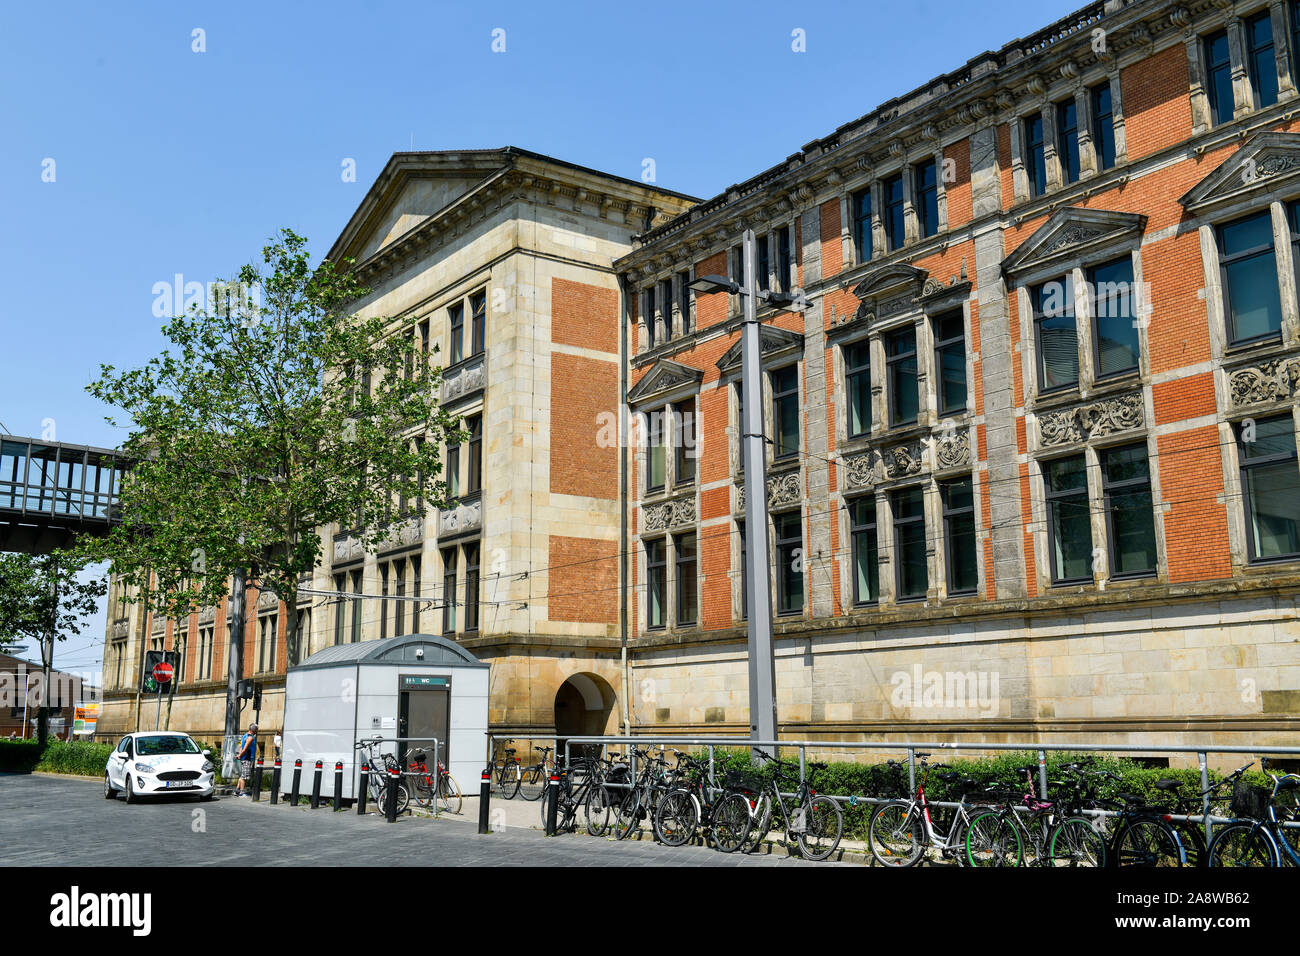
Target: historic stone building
<point x="1032" y="456"/>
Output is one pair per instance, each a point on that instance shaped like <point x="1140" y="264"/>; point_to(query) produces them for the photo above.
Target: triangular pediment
<point x="772" y="339"/>
<point x="664" y="378"/>
<point x="1070" y="234"/>
<point x="1262" y="164"/>
<point x="891" y="280"/>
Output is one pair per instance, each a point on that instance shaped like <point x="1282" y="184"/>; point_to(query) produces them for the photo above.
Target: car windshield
<point x="154" y="746"/>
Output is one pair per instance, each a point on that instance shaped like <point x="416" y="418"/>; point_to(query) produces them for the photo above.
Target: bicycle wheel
<point x="993" y="841"/>
<point x="422" y="789"/>
<point x="731" y="823"/>
<point x="508" y="782"/>
<point x="597" y="811"/>
<point x="676" y="818"/>
<point x="627" y="815"/>
<point x="894" y="835"/>
<point x="823" y="827"/>
<point x="1147" y="844"/>
<point x="1241" y="844"/>
<point x="760" y="821"/>
<point x="1075" y="842"/>
<point x="449" y="799"/>
<point x="532" y="783"/>
<point x="1193" y="837"/>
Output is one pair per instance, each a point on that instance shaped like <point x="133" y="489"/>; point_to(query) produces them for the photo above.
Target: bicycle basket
<point x="1249" y="801"/>
<point x="744" y="780"/>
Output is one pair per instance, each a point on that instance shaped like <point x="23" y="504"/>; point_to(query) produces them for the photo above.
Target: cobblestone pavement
<point x="53" y="821"/>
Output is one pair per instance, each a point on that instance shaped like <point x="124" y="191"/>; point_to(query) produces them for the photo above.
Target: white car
<point x="151" y="764"/>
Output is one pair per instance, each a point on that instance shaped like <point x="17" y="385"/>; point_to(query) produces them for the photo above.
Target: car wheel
<point x="130" y="790"/>
<point x="109" y="792"/>
<point x="205" y="798"/>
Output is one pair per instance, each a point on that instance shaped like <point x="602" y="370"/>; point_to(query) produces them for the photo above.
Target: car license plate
<point x="177" y="783"/>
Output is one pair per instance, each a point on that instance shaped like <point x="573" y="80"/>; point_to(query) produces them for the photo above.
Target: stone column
<point x="818" y="559"/>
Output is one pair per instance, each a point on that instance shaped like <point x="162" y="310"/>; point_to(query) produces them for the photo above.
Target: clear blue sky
<point x="170" y="161"/>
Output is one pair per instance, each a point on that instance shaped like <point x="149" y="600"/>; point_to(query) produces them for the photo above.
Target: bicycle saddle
<point x="949" y="777"/>
<point x="1131" y="797"/>
<point x="1167" y="784"/>
<point x="1288" y="783"/>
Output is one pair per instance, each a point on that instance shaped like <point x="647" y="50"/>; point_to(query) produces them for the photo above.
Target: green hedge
<point x="1002" y="771"/>
<point x="77" y="757"/>
<point x="19" y="756"/>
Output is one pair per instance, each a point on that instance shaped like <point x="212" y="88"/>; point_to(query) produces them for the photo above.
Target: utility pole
<point x="47" y="655"/>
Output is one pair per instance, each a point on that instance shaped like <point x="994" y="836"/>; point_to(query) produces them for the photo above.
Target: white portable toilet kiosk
<point x="415" y="686"/>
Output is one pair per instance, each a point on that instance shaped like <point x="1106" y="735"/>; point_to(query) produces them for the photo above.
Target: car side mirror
<point x="207" y="753"/>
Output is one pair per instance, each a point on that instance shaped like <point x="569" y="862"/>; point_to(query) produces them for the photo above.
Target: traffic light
<point x="246" y="689"/>
<point x="257" y="699"/>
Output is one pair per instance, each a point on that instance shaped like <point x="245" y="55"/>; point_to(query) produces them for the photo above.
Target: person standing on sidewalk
<point x="247" y="754"/>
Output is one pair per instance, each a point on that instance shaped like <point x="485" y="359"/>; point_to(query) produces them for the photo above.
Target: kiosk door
<point x="424" y="714"/>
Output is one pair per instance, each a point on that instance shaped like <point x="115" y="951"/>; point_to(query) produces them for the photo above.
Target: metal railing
<point x="1208" y="819"/>
<point x="363" y="777"/>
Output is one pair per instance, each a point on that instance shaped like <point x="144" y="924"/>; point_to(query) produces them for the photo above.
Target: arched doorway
<point x="584" y="707"/>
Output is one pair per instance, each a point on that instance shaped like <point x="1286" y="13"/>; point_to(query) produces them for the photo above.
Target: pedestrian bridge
<point x="50" y="492"/>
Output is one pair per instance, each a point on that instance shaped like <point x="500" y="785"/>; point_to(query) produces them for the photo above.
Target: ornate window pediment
<point x="771" y="340"/>
<point x="664" y="378"/>
<point x="1071" y="234"/>
<point x="1263" y="163"/>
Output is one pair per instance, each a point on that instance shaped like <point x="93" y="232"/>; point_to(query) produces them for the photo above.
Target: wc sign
<point x="409" y="683"/>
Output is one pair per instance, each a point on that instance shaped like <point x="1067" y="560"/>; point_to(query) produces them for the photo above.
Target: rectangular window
<point x="738" y="265"/>
<point x="340" y="607"/>
<point x="1055" y="334"/>
<point x="356" y="607"/>
<point x="1035" y="164"/>
<point x="950" y="361"/>
<point x="764" y="261"/>
<point x="1103" y="122"/>
<point x="456" y="320"/>
<point x="909" y="543"/>
<point x="453" y="471"/>
<point x="740" y="428"/>
<point x="789" y="562"/>
<point x="415" y="592"/>
<point x="666" y="298"/>
<point x="684" y="299"/>
<point x="478" y="322"/>
<point x="925" y="187"/>
<point x="784" y="270"/>
<point x="1251" y="300"/>
<point x="1131" y="526"/>
<point x="862" y="225"/>
<point x="656" y="576"/>
<point x="383" y="604"/>
<point x="895" y="228"/>
<point x="1218" y="77"/>
<point x="648" y="313"/>
<point x="266" y="646"/>
<point x="656" y="475"/>
<point x="901" y="369"/>
<point x="449" y="591"/>
<point x="1114" y="320"/>
<point x="399" y="606"/>
<point x="1066" y="482"/>
<point x="744" y="577"/>
<point x="1269" y="488"/>
<point x="866" y="551"/>
<point x="474" y="424"/>
<point x="684" y="444"/>
<point x="857" y="376"/>
<point x="1067" y="139"/>
<point x="785" y="410"/>
<point x="1260" y="59"/>
<point x="471" y="587"/>
<point x="687" y="601"/>
<point x="959" y="535"/>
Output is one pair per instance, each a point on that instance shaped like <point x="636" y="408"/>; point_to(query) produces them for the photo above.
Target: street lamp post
<point x="758" y="602"/>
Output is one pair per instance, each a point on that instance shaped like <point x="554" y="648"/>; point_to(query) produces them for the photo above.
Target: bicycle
<point x="1259" y="839"/>
<point x="437" y="784"/>
<point x="1191" y="831"/>
<point x="587" y="794"/>
<point x="534" y="779"/>
<point x="900" y="831"/>
<point x="377" y="784"/>
<point x="723" y="813"/>
<point x="1144" y="837"/>
<point x="642" y="800"/>
<point x="506" y="779"/>
<point x="814" y="821"/>
<point x="1036" y="832"/>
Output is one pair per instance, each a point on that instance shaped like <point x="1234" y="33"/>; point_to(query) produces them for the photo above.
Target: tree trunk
<point x="235" y="671"/>
<point x="292" y="639"/>
<point x="47" y="657"/>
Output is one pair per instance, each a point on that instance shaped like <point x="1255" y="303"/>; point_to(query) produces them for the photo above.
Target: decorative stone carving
<point x="1272" y="381"/>
<point x="674" y="513"/>
<point x="783" y="490"/>
<point x="1072" y="236"/>
<point x="952" y="448"/>
<point x="267" y="600"/>
<point x="348" y="548"/>
<point x="159" y="624"/>
<point x="1092" y="420"/>
<point x="465" y="380"/>
<point x="207" y="615"/>
<point x="465" y="516"/>
<point x="121" y="628"/>
<point x="877" y="465"/>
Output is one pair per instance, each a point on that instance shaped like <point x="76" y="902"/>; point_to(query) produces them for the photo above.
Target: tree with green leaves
<point x="42" y="599"/>
<point x="275" y="412"/>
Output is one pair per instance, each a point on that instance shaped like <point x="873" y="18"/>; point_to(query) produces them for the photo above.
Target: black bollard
<point x="338" y="786"/>
<point x="257" y="781"/>
<point x="393" y="778"/>
<point x="484" y="798"/>
<point x="363" y="788"/>
<point x="553" y="804"/>
<point x="297" y="780"/>
<point x="275" y="782"/>
<point x="315" y="786"/>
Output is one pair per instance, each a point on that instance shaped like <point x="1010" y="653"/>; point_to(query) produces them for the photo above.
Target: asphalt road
<point x="52" y="821"/>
